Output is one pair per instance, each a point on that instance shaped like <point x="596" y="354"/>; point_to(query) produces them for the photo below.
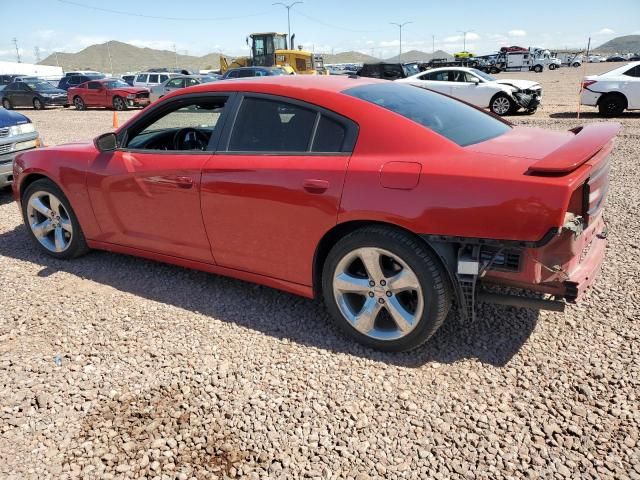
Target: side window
<point x="94" y="85"/>
<point x="392" y="71"/>
<point x="182" y="128"/>
<point x="164" y="78"/>
<point x="271" y="126"/>
<point x="175" y="83"/>
<point x="233" y="74"/>
<point x="74" y="80"/>
<point x="153" y="78"/>
<point x="633" y="72"/>
<point x="248" y="73"/>
<point x="330" y="136"/>
<point x="142" y="78"/>
<point x="190" y="82"/>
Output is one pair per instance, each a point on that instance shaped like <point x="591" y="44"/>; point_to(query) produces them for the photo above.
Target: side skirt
<point x="290" y="287"/>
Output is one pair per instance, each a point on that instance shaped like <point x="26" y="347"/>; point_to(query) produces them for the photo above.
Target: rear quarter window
<point x="454" y="120"/>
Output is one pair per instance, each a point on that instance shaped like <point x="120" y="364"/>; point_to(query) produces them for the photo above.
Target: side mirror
<point x="475" y="81"/>
<point x="106" y="142"/>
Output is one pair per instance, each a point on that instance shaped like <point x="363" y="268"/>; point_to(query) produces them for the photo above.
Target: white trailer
<point x="46" y="72"/>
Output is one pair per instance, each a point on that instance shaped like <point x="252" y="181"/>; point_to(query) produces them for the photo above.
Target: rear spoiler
<point x="588" y="141"/>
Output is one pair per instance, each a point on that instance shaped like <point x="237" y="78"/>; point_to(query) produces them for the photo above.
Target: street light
<point x="464" y="38"/>
<point x="288" y="7"/>
<point x="400" y="25"/>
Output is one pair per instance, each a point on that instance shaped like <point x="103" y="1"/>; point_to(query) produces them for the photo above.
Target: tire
<point x="531" y="111"/>
<point x="553" y="66"/>
<point x="494" y="70"/>
<point x="119" y="103"/>
<point x="537" y="68"/>
<point x="421" y="305"/>
<point x="575" y="64"/>
<point x="61" y="237"/>
<point x="37" y="104"/>
<point x="612" y="105"/>
<point x="501" y="104"/>
<point x="79" y="103"/>
<point x="6" y="104"/>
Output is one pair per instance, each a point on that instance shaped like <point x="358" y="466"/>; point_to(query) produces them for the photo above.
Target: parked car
<point x="306" y="195"/>
<point x="177" y="83"/>
<point x="17" y="134"/>
<point x="7" y="79"/>
<point x="129" y="79"/>
<point x="90" y="73"/>
<point x="37" y="94"/>
<point x="246" y="72"/>
<point x="613" y="92"/>
<point x="107" y="93"/>
<point x="75" y="80"/>
<point x="388" y="71"/>
<point x="616" y="58"/>
<point x="151" y="79"/>
<point x="502" y="96"/>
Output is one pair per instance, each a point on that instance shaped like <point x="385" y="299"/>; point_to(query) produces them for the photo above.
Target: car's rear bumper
<point x="587" y="97"/>
<point x="565" y="268"/>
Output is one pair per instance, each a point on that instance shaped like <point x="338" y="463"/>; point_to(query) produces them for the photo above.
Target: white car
<point x="151" y="79"/>
<point x="501" y="96"/>
<point x="613" y="92"/>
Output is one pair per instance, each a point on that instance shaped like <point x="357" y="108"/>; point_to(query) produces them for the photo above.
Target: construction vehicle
<point x="272" y="50"/>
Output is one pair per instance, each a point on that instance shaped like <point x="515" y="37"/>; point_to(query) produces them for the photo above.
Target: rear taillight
<point x="578" y="204"/>
<point x="586" y="83"/>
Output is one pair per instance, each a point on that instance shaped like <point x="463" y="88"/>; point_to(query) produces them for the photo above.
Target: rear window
<point x="460" y="123"/>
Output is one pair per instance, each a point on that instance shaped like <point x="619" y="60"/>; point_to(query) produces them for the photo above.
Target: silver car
<point x="176" y="83"/>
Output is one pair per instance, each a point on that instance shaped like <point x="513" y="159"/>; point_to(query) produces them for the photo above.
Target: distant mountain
<point x="349" y="57"/>
<point x="128" y="58"/>
<point x="418" y="56"/>
<point x="625" y="44"/>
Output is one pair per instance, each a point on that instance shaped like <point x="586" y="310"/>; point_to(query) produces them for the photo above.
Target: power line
<point x="159" y="17"/>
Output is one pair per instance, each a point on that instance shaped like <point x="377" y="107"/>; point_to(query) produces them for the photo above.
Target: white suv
<point x="151" y="79"/>
<point x="613" y="92"/>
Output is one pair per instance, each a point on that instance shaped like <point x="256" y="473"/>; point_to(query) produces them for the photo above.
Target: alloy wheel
<point x="49" y="221"/>
<point x="378" y="293"/>
<point x="118" y="103"/>
<point x="501" y="105"/>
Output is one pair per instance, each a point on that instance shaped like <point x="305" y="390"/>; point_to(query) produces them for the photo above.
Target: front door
<point x="94" y="93"/>
<point x="146" y="194"/>
<point x="273" y="188"/>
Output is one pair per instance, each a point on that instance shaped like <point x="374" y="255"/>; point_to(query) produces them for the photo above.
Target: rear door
<point x="273" y="188"/>
<point x="437" y="81"/>
<point x="632" y="86"/>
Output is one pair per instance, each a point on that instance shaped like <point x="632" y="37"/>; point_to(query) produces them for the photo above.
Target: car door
<point x="146" y="194"/>
<point x="273" y="187"/>
<point x="631" y="87"/>
<point x="173" y="84"/>
<point x="436" y="81"/>
<point x="94" y="93"/>
<point x="23" y="96"/>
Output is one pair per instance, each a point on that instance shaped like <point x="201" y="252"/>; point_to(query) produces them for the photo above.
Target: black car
<point x="388" y="71"/>
<point x="244" y="72"/>
<point x="34" y="93"/>
<point x="75" y="80"/>
<point x="616" y="58"/>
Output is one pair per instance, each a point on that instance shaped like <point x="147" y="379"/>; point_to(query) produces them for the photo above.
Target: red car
<point x="388" y="200"/>
<point x="107" y="93"/>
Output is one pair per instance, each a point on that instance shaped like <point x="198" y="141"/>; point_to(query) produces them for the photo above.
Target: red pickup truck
<point x="107" y="93"/>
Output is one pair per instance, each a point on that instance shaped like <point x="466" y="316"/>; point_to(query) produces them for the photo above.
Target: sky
<point x="197" y="27"/>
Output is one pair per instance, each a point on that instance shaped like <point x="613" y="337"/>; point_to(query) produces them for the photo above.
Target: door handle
<point x="313" y="185"/>
<point x="177" y="180"/>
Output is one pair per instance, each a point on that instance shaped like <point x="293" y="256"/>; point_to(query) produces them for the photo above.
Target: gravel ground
<point x="117" y="367"/>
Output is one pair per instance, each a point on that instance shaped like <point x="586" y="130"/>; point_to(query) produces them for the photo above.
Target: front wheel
<point x="79" y="103"/>
<point x="502" y="104"/>
<point x="537" y="68"/>
<point x="51" y="221"/>
<point x="385" y="289"/>
<point x="552" y="66"/>
<point x="119" y="104"/>
<point x="6" y="104"/>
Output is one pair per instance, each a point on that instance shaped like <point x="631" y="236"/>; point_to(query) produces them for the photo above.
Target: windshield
<point x="277" y="71"/>
<point x="457" y="121"/>
<point x="116" y="84"/>
<point x="411" y="69"/>
<point x="481" y="74"/>
<point x="40" y="86"/>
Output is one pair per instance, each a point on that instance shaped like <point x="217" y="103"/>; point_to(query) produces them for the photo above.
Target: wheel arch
<point x="445" y="252"/>
<point x="614" y="93"/>
<point x="31" y="178"/>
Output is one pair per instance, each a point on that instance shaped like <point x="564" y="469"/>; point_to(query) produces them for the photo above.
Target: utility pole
<point x="433" y="46"/>
<point x="400" y="25"/>
<point x="464" y="38"/>
<point x="110" y="61"/>
<point x="36" y="52"/>
<point x="57" y="63"/>
<point x="15" y="43"/>
<point x="288" y="7"/>
<point x="176" y="54"/>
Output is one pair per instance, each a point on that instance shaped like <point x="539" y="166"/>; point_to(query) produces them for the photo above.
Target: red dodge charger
<point x="107" y="93"/>
<point x="390" y="201"/>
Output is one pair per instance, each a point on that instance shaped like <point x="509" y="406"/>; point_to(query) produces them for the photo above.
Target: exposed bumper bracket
<point x="523" y="302"/>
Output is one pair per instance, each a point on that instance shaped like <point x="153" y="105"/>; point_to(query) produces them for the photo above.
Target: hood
<point x="521" y="84"/>
<point x="131" y="89"/>
<point x="55" y="91"/>
<point x="9" y="118"/>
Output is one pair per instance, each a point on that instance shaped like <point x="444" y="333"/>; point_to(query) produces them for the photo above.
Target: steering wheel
<point x="190" y="138"/>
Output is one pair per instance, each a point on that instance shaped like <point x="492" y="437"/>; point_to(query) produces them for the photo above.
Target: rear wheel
<point x="51" y="222"/>
<point x="501" y="104"/>
<point x="385" y="289"/>
<point x="611" y="105"/>
<point x="119" y="104"/>
<point x="537" y="68"/>
<point x="37" y="104"/>
<point x="6" y="103"/>
<point x="79" y="103"/>
<point x="553" y="66"/>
